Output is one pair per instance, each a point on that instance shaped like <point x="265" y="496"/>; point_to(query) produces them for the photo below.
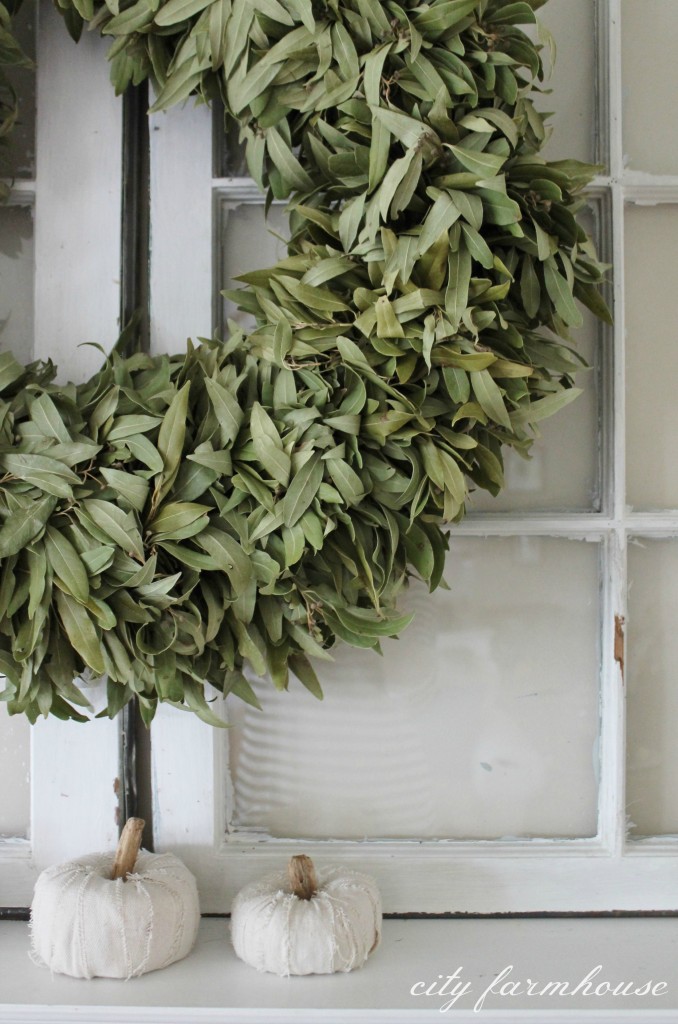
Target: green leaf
<point x="346" y="480"/>
<point x="118" y="525"/>
<point x="175" y="11"/>
<point x="22" y="527"/>
<point x="254" y="84"/>
<point x="227" y="409"/>
<point x="439" y="219"/>
<point x="129" y="486"/>
<point x="294" y="542"/>
<point x="498" y="207"/>
<point x="365" y="622"/>
<point x="530" y="290"/>
<point x="379" y="154"/>
<point x="188" y="556"/>
<point x="67" y="564"/>
<point x="589" y="295"/>
<point x="47" y="474"/>
<point x="302" y="490"/>
<point x="45" y="415"/>
<point x="268" y="445"/>
<point x="228" y="556"/>
<point x="142" y="449"/>
<point x="291" y="170"/>
<point x="97" y="559"/>
<point x="388" y="325"/>
<point x="37" y="571"/>
<point x="237" y="684"/>
<point x="10" y="371"/>
<point x="501" y="120"/>
<point x="406" y="129"/>
<point x="305" y="673"/>
<point x="544" y="407"/>
<point x="441" y="18"/>
<point x="273" y="10"/>
<point x="238" y="29"/>
<point x="177" y="520"/>
<point x="426" y="74"/>
<point x="477" y="247"/>
<point x="344" y="52"/>
<point x="560" y="294"/>
<point x="396" y="174"/>
<point x="485" y="165"/>
<point x="129" y="426"/>
<point x="81" y="631"/>
<point x="489" y="397"/>
<point x="314" y="298"/>
<point x="171" y="442"/>
<point x="134" y="18"/>
<point x="349" y="223"/>
<point x="372" y="74"/>
<point x="178" y="86"/>
<point x="458" y="281"/>
<point x="194" y="695"/>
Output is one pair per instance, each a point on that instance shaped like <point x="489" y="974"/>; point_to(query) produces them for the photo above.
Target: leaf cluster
<point x="177" y="520"/>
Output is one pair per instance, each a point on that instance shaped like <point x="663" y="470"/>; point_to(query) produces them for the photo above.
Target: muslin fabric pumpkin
<point x="333" y="926"/>
<point x="86" y="924"/>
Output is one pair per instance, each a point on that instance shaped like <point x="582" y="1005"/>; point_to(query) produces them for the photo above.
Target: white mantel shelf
<point x="212" y="986"/>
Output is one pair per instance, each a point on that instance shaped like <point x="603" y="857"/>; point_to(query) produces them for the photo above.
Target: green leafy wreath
<point x="176" y="519"/>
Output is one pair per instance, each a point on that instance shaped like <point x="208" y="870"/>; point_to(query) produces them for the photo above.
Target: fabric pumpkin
<point x="86" y="924"/>
<point x="297" y="924"/>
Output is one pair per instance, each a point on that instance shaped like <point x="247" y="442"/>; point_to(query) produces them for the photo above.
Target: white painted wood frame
<point x="76" y="199"/>
<point x="192" y="792"/>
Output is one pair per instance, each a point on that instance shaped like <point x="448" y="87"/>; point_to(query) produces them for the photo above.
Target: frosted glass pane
<point x="480" y="722"/>
<point x="650" y="83"/>
<point x="15" y="796"/>
<point x="562" y="472"/>
<point x="572" y="23"/>
<point x="652" y="688"/>
<point x="249" y="242"/>
<point x="230" y="154"/>
<point x="16" y="274"/>
<point x="651" y="317"/>
<point x="22" y="139"/>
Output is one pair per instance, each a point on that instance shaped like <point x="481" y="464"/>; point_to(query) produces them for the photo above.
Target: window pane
<point x="574" y="80"/>
<point x="480" y="722"/>
<point x="652" y="312"/>
<point x="563" y="469"/>
<point x="22" y="147"/>
<point x="249" y="241"/>
<point x="229" y="155"/>
<point x="652" y="688"/>
<point x="15" y="797"/>
<point x="650" y="76"/>
<point x="16" y="274"/>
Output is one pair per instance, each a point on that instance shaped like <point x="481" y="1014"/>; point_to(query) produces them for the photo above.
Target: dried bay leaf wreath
<point x="177" y="519"/>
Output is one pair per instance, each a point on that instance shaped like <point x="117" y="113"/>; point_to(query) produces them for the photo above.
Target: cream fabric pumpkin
<point x="85" y="924"/>
<point x="294" y="924"/>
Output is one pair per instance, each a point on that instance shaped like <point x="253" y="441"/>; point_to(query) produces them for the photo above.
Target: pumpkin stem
<point x="128" y="848"/>
<point x="303" y="879"/>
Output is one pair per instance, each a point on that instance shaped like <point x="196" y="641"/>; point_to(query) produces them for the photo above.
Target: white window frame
<point x="192" y="792"/>
<point x="76" y="199"/>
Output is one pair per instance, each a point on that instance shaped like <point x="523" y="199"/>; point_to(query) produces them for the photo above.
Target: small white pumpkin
<point x="115" y="916"/>
<point x="302" y="924"/>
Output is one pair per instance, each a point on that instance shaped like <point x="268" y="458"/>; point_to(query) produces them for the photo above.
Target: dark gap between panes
<point x="134" y="793"/>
